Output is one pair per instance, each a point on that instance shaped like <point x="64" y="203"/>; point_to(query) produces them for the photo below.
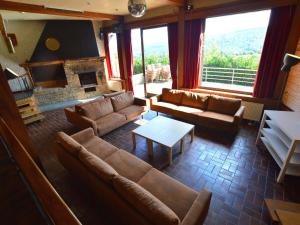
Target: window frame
<point x="228" y="90"/>
<point x="114" y="67"/>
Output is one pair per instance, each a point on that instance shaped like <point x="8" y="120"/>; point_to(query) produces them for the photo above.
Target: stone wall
<point x="73" y="90"/>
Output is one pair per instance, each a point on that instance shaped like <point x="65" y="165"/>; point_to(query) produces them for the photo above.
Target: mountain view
<point x="242" y="42"/>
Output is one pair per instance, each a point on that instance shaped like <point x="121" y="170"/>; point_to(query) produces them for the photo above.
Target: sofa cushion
<point x="166" y="105"/>
<point x="83" y="135"/>
<point x="110" y="122"/>
<point x="99" y="147"/>
<point x="97" y="166"/>
<point x="174" y="194"/>
<point x="223" y="104"/>
<point x="132" y="111"/>
<point x="128" y="165"/>
<point x="105" y="107"/>
<point x="171" y="96"/>
<point x="95" y="109"/>
<point x="187" y="109"/>
<point x="216" y="116"/>
<point x="122" y="101"/>
<point x="144" y="202"/>
<point x="69" y="143"/>
<point x="195" y="100"/>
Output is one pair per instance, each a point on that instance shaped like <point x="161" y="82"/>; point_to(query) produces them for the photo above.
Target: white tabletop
<point x="288" y="122"/>
<point x="164" y="130"/>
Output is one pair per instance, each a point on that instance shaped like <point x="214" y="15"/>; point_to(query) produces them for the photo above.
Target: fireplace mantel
<point x="57" y="62"/>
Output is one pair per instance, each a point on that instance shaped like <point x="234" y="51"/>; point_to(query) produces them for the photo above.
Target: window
<point x="156" y="60"/>
<point x="232" y="50"/>
<point x="113" y="53"/>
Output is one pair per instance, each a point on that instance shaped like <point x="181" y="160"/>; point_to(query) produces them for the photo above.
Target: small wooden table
<point x="282" y="212"/>
<point x="164" y="131"/>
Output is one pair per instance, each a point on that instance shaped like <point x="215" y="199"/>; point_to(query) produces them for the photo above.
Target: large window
<point x="113" y="53"/>
<point x="232" y="50"/>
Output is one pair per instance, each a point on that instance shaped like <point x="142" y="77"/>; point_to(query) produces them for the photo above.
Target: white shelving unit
<point x="280" y="133"/>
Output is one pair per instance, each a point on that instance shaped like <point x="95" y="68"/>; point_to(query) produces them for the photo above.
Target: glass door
<point x="155" y="57"/>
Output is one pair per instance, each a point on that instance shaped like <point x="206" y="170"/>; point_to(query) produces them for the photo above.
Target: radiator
<point x="253" y="111"/>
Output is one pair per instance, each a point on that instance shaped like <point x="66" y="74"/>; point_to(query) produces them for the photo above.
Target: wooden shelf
<point x="29" y="110"/>
<point x="279" y="147"/>
<point x="282" y="142"/>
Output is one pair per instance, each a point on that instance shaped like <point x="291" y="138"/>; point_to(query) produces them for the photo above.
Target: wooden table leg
<point x="182" y="145"/>
<point x="170" y="155"/>
<point x="192" y="134"/>
<point x="133" y="140"/>
<point x="150" y="147"/>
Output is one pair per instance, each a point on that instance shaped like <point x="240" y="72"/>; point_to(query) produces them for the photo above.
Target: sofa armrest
<point x="80" y="121"/>
<point x="199" y="209"/>
<point x="155" y="99"/>
<point x="83" y="135"/>
<point x="238" y="116"/>
<point x="142" y="102"/>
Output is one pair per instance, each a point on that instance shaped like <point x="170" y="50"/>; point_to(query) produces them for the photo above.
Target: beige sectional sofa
<point x="131" y="188"/>
<point x="107" y="114"/>
<point x="220" y="113"/>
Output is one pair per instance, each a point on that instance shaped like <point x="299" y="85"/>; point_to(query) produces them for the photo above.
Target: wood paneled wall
<point x="291" y="97"/>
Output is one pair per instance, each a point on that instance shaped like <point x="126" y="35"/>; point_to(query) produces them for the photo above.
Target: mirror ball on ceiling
<point x="137" y="8"/>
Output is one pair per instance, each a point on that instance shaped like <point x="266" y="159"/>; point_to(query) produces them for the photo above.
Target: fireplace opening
<point x="87" y="79"/>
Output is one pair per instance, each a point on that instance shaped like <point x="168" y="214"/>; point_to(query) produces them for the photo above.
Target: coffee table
<point x="164" y="131"/>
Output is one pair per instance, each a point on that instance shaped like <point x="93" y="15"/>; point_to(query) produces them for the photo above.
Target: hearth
<point x="87" y="79"/>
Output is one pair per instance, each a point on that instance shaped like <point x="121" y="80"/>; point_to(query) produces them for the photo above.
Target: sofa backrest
<point x="195" y="100"/>
<point x="122" y="101"/>
<point x="95" y="109"/>
<point x="113" y="94"/>
<point x="223" y="105"/>
<point x="144" y="202"/>
<point x="97" y="166"/>
<point x="94" y="164"/>
<point x="69" y="144"/>
<point x="171" y="96"/>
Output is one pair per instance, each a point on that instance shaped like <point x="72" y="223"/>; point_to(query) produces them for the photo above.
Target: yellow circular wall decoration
<point x="52" y="44"/>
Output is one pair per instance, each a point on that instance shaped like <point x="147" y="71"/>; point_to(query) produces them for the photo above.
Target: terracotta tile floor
<point x="239" y="174"/>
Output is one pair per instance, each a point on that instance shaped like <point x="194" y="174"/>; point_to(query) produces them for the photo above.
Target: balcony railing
<point x="231" y="76"/>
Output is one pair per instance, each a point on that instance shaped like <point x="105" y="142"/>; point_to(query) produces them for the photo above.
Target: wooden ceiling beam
<point x="30" y="8"/>
<point x="177" y="2"/>
<point x="237" y="7"/>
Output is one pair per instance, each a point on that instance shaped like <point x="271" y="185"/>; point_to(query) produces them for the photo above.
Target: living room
<point x="150" y="112"/>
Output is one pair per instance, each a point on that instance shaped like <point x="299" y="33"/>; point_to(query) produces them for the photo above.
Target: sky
<point x="227" y="24"/>
<point x="214" y="26"/>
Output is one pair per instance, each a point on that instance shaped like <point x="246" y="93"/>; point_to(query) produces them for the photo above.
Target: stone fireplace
<point x="85" y="78"/>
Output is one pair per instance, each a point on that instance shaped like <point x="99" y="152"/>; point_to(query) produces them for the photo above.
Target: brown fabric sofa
<point x="212" y="111"/>
<point x="131" y="188"/>
<point x="107" y="114"/>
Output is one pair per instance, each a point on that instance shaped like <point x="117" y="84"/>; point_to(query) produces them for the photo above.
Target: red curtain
<point x="173" y="51"/>
<point x="120" y="56"/>
<point x="273" y="51"/>
<point x="129" y="57"/>
<point x="193" y="43"/>
<point x="107" y="55"/>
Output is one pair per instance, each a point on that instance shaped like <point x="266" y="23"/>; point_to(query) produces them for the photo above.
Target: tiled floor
<point x="239" y="174"/>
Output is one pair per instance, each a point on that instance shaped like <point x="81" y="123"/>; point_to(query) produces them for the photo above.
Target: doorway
<point x="151" y="60"/>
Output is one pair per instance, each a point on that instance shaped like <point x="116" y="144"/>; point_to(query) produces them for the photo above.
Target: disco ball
<point x="137" y="8"/>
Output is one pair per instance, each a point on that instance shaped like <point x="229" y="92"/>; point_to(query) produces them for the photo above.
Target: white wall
<point x="28" y="34"/>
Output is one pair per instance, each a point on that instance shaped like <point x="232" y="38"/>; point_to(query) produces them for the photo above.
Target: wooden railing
<point x="52" y="203"/>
